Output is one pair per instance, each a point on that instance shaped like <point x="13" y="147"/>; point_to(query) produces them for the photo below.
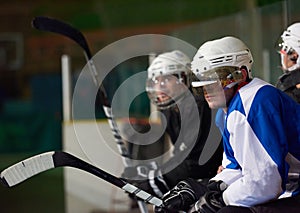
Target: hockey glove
<point x="219" y="186"/>
<point x="182" y="196"/>
<point x="211" y="202"/>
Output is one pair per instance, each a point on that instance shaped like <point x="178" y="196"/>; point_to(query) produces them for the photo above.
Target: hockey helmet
<point x="168" y="78"/>
<point x="221" y="61"/>
<point x="289" y="42"/>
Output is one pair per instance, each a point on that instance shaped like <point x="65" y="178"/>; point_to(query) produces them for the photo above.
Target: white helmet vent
<point x="227" y="51"/>
<point x="222" y="59"/>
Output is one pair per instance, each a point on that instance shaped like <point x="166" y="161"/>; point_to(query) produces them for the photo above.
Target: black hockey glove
<point x="147" y="178"/>
<point x="211" y="202"/>
<point x="182" y="196"/>
<point x="219" y="186"/>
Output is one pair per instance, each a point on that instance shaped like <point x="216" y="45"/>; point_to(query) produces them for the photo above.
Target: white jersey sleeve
<point x="260" y="180"/>
<point x="257" y="139"/>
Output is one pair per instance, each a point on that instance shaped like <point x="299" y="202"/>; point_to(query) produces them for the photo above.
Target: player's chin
<point x="215" y="104"/>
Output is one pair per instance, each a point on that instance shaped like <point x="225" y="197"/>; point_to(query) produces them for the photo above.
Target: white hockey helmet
<point x="166" y="68"/>
<point x="288" y="42"/>
<point x="221" y="60"/>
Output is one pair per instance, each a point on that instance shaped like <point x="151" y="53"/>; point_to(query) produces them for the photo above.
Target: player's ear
<point x="244" y="73"/>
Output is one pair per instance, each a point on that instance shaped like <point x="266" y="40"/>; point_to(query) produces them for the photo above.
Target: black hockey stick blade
<point x="56" y="26"/>
<point x="32" y="166"/>
<point x="53" y="25"/>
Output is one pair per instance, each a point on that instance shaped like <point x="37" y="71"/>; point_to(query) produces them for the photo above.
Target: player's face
<point x="288" y="59"/>
<point x="166" y="87"/>
<point x="216" y="96"/>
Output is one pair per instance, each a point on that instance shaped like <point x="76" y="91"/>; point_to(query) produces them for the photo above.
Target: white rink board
<point x="85" y="192"/>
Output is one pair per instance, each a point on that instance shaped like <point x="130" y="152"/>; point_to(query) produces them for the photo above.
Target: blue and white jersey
<point x="262" y="145"/>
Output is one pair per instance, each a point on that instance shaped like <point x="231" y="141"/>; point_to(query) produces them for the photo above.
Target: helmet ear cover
<point x="229" y="76"/>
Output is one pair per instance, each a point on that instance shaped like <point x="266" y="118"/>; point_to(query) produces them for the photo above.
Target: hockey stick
<point x="56" y="26"/>
<point x="29" y="167"/>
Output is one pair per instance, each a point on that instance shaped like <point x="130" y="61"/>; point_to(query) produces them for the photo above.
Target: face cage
<point x="286" y="50"/>
<point x="165" y="84"/>
<point x="282" y="47"/>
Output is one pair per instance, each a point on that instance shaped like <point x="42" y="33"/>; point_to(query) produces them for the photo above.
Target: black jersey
<point x="189" y="167"/>
<point x="287" y="83"/>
